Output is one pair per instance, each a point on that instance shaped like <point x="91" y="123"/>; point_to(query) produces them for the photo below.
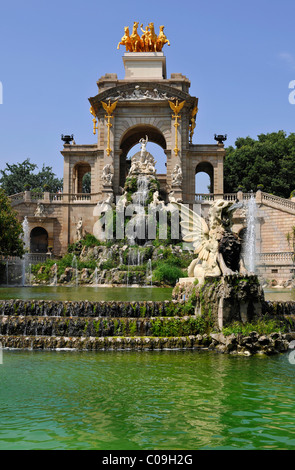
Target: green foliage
<point x="108" y="264"/>
<point x="263" y="327"/>
<point x="132" y="327"/>
<point x="43" y="272"/>
<point x="86" y="183"/>
<point x="267" y="161"/>
<point x="90" y="240"/>
<point x="130" y="187"/>
<point x="11" y="230"/>
<point x="20" y="177"/>
<point x="167" y="273"/>
<point x="178" y="327"/>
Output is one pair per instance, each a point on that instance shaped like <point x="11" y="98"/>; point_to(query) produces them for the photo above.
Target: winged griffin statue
<point x="218" y="249"/>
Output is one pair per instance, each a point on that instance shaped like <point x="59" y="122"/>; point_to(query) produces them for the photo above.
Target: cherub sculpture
<point x="218" y="249"/>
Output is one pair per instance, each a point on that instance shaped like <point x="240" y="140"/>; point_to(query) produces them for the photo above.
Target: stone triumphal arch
<point x="145" y="104"/>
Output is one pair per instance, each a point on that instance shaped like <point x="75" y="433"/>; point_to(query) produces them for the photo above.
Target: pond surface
<point x="94" y="294"/>
<point x="110" y="293"/>
<point x="279" y="295"/>
<point x="160" y="400"/>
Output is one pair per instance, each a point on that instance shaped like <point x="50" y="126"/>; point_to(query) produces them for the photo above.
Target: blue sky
<point x="239" y="57"/>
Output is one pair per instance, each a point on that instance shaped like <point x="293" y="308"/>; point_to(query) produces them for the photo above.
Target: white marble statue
<point x="107" y="174"/>
<point x="171" y="197"/>
<point x="40" y="210"/>
<point x="79" y="229"/>
<point x="206" y="239"/>
<point x="142" y="162"/>
<point x="143" y="151"/>
<point x="177" y="175"/>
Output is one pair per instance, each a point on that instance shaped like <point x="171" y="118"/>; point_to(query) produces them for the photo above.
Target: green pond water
<point x="110" y="293"/>
<point x="86" y="293"/>
<point x="151" y="400"/>
<point x="160" y="400"/>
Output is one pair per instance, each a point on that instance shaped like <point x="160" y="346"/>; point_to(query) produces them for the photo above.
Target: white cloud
<point x="288" y="58"/>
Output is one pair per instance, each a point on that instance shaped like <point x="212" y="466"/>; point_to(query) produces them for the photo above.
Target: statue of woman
<point x="143" y="152"/>
<point x="79" y="229"/>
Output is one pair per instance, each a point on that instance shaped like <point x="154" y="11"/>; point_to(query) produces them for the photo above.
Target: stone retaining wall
<point x="129" y="325"/>
<point x="90" y="309"/>
<point x="233" y="344"/>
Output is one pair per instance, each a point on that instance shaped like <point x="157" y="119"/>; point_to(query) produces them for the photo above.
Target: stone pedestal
<point x="144" y="65"/>
<point x="223" y="300"/>
<point x="107" y="191"/>
<point x="177" y="192"/>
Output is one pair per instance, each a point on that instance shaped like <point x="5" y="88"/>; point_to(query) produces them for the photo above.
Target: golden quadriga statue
<point x="149" y="41"/>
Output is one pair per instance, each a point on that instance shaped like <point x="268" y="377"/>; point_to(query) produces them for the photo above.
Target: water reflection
<point x="145" y="400"/>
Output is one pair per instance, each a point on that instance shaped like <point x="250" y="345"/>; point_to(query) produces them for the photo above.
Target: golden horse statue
<point x="162" y="40"/>
<point x="135" y="39"/>
<point x="126" y="41"/>
<point x="147" y="42"/>
<point x="152" y="38"/>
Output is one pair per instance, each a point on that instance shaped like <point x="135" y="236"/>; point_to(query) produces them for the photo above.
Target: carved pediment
<point x="141" y="92"/>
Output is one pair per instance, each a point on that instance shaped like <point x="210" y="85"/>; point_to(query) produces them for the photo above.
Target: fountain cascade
<point x="250" y="238"/>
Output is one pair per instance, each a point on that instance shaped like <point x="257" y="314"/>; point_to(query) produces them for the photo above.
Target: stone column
<point x="27" y="196"/>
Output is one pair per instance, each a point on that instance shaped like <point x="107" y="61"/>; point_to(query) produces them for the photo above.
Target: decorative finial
<point x="67" y="139"/>
<point x="220" y="138"/>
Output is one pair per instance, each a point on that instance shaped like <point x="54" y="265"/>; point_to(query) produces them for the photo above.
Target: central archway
<point x="131" y="138"/>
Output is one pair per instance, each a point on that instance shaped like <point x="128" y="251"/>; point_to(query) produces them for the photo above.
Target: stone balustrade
<point x="278" y="256"/>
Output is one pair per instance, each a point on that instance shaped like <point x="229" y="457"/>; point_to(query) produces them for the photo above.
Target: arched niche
<point x="38" y="240"/>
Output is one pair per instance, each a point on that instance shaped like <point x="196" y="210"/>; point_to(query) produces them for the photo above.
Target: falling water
<point x="136" y="228"/>
<point x="149" y="273"/>
<point x="135" y="258"/>
<point x="250" y="239"/>
<point x="26" y="237"/>
<point x="30" y="274"/>
<point x="95" y="276"/>
<point x="7" y="274"/>
<point x="26" y="240"/>
<point x="75" y="267"/>
<point x="140" y="196"/>
<point x="54" y="281"/>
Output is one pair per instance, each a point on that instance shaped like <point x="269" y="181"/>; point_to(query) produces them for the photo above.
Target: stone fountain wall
<point x="224" y="299"/>
<point x="129" y="325"/>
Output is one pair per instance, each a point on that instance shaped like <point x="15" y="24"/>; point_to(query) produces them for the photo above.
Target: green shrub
<point x="262" y="327"/>
<point x="167" y="273"/>
<point x="90" y="240"/>
<point x="178" y="327"/>
<point x="108" y="264"/>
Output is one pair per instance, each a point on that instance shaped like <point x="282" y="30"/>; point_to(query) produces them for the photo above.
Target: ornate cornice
<point x="142" y="92"/>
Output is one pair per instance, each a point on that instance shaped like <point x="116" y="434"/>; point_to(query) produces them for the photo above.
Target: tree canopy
<point x="267" y="161"/>
<point x="11" y="242"/>
<point x="16" y="178"/>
